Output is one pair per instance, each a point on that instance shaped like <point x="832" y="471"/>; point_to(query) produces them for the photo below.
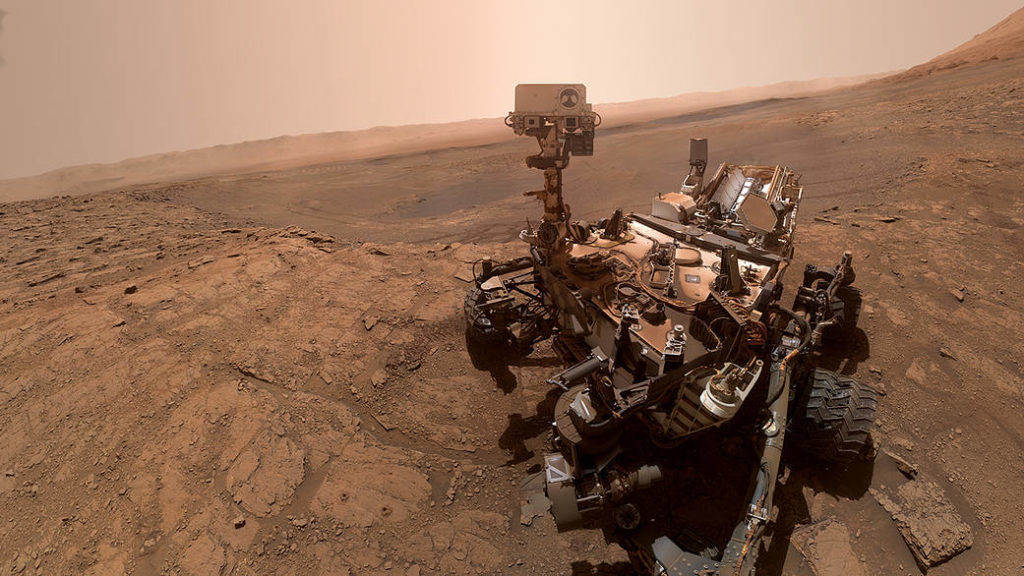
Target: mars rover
<point x="673" y="332"/>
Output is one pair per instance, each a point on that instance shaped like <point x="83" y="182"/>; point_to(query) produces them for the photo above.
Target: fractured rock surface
<point x="928" y="521"/>
<point x="826" y="546"/>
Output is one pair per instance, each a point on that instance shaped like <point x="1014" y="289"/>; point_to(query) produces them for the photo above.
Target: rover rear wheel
<point x="478" y="326"/>
<point x="491" y="309"/>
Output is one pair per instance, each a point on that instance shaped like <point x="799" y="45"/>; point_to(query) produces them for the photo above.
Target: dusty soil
<point x="193" y="384"/>
<point x="182" y="396"/>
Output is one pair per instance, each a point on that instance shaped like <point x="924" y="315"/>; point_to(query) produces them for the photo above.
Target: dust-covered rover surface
<point x="673" y="332"/>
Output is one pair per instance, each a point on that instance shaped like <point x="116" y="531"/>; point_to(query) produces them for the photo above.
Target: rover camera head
<point x="563" y="108"/>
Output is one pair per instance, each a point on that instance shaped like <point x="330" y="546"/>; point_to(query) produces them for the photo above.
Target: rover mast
<point x="563" y="123"/>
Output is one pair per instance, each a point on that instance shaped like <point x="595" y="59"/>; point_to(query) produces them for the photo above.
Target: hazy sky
<point x="86" y="81"/>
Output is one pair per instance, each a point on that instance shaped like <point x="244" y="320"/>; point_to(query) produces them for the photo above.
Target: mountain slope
<point x="1003" y="41"/>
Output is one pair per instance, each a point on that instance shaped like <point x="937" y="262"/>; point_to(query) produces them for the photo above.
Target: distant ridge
<point x="285" y="152"/>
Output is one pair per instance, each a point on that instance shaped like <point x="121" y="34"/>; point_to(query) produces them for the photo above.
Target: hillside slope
<point x="1003" y="41"/>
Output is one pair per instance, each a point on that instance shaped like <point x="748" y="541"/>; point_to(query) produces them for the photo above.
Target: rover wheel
<point x="846" y="305"/>
<point x="833" y="418"/>
<point x="478" y="326"/>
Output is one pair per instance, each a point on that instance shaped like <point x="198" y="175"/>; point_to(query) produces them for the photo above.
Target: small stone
<point x="132" y="289"/>
<point x="946" y="353"/>
<point x="300" y="522"/>
<point x="369" y="322"/>
<point x="465" y="275"/>
<point x="384" y="423"/>
<point x="903" y="443"/>
<point x="197" y="263"/>
<point x="905" y="467"/>
<point x="239" y="521"/>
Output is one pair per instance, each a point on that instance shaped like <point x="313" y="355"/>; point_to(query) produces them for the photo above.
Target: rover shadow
<point x="705" y="493"/>
<point x="844" y="356"/>
<point x="707" y="479"/>
<point x="804" y="472"/>
<point x="520" y="430"/>
<point x="496" y="358"/>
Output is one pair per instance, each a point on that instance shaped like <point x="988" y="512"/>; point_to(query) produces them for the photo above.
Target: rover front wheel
<point x="847" y="305"/>
<point x="833" y="417"/>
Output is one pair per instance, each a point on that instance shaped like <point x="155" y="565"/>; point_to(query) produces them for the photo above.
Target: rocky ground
<point x="183" y="396"/>
<point x="192" y="384"/>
